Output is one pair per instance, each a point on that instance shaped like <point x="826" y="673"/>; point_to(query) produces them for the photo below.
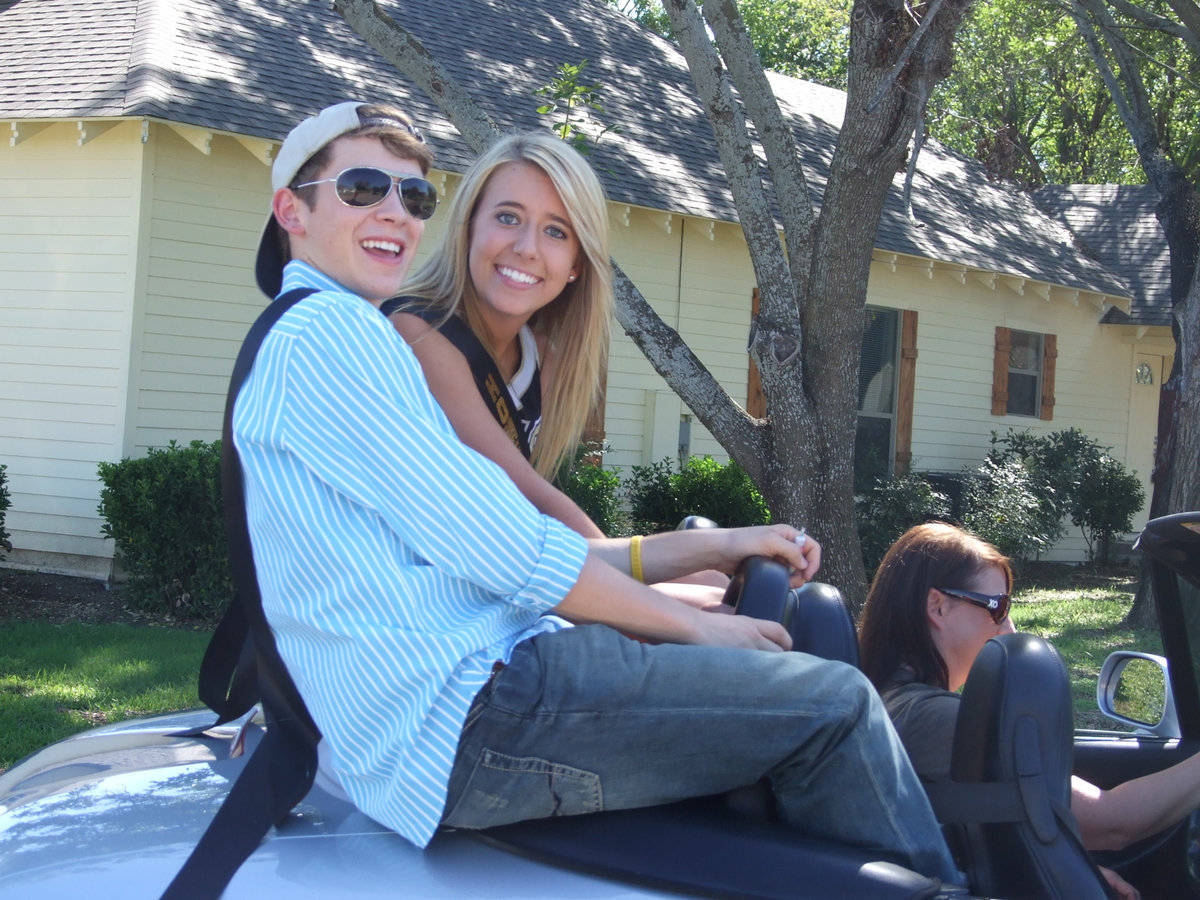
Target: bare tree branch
<point x="775" y="135"/>
<point x="1179" y="30"/>
<point x="1127" y="90"/>
<point x="733" y="140"/>
<point x="408" y="55"/>
<point x="1189" y="14"/>
<point x="907" y="52"/>
<point x="911" y="170"/>
<point x="741" y="434"/>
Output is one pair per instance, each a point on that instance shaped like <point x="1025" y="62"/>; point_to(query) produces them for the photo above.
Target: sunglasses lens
<point x="366" y="186"/>
<point x="1001" y="612"/>
<point x="363" y="186"/>
<point x="419" y="197"/>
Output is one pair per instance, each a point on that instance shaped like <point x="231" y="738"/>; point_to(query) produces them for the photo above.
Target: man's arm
<point x="604" y="595"/>
<point x="675" y="553"/>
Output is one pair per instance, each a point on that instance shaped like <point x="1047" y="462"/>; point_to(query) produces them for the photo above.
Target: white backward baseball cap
<point x="301" y="144"/>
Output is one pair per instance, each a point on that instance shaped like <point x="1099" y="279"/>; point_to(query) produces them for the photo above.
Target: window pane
<point x="877" y="362"/>
<point x="873" y="446"/>
<point x="1022" y="394"/>
<point x="872" y="451"/>
<point x="1025" y="374"/>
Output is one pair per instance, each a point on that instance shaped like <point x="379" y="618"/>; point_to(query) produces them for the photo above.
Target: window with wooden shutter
<point x="886" y="383"/>
<point x="906" y="389"/>
<point x="1023" y="373"/>
<point x="1049" y="357"/>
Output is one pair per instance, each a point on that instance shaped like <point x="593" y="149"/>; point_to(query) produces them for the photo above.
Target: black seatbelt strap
<point x="488" y="379"/>
<point x="242" y="666"/>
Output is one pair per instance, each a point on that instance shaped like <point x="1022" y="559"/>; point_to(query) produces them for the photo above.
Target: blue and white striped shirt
<point x="396" y="565"/>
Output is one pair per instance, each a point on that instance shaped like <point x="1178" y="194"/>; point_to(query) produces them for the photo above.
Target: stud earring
<point x="570" y="278"/>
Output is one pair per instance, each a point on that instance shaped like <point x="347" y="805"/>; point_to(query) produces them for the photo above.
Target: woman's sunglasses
<point x="365" y="186"/>
<point x="997" y="605"/>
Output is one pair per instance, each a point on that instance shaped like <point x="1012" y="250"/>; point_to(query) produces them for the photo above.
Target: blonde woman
<point x="524" y="263"/>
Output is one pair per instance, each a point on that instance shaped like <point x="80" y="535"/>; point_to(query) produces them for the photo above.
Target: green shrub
<point x="1106" y="501"/>
<point x="890" y="507"/>
<point x="1052" y="462"/>
<point x="164" y="513"/>
<point x="1074" y="476"/>
<point x="652" y="505"/>
<point x="595" y="490"/>
<point x="660" y="498"/>
<point x="1001" y="506"/>
<point x="5" y="503"/>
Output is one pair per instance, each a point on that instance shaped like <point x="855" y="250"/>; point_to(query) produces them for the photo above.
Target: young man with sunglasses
<point x="423" y="606"/>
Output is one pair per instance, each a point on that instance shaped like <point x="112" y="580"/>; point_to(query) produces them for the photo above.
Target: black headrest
<point x="821" y="623"/>
<point x="1018" y="682"/>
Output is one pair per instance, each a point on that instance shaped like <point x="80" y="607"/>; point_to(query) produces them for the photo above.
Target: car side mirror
<point x="1135" y="688"/>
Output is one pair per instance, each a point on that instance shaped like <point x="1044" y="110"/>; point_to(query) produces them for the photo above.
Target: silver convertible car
<point x="115" y="811"/>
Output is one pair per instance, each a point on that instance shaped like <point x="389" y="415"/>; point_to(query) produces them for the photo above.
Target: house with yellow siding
<point x="134" y="181"/>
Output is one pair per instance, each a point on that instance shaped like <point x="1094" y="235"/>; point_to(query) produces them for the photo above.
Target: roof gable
<point x="1116" y="224"/>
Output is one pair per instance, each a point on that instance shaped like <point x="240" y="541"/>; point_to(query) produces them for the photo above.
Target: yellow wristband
<point x="635" y="558"/>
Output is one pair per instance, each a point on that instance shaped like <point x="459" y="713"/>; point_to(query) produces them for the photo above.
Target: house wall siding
<point x="68" y="239"/>
<point x="203" y="222"/>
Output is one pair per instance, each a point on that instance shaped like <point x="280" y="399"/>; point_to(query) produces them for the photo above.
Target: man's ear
<point x="289" y="210"/>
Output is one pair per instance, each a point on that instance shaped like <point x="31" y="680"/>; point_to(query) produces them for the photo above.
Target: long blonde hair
<point x="576" y="323"/>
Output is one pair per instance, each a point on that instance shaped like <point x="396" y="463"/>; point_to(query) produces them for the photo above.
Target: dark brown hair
<point x="894" y="630"/>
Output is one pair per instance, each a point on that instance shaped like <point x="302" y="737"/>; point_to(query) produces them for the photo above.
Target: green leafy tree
<point x="1025" y="99"/>
<point x="1002" y="507"/>
<point x="807" y="39"/>
<point x="890" y="507"/>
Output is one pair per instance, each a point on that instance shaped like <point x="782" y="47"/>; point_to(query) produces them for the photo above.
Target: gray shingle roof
<point x="1116" y="225"/>
<point x="255" y="67"/>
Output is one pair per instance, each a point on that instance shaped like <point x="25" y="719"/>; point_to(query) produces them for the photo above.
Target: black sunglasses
<point x="997" y="605"/>
<point x="365" y="186"/>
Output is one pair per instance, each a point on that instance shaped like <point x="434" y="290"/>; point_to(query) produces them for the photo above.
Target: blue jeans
<point x="585" y="719"/>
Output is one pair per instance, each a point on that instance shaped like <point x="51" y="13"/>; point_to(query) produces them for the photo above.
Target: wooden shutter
<point x="1049" y="356"/>
<point x="1000" y="371"/>
<point x="756" y="402"/>
<point x="906" y="389"/>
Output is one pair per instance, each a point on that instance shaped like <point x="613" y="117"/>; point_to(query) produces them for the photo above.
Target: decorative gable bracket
<point x="22" y="130"/>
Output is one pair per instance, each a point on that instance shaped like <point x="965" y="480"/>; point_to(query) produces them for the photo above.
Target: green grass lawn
<point x="1080" y="611"/>
<point x="56" y="680"/>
